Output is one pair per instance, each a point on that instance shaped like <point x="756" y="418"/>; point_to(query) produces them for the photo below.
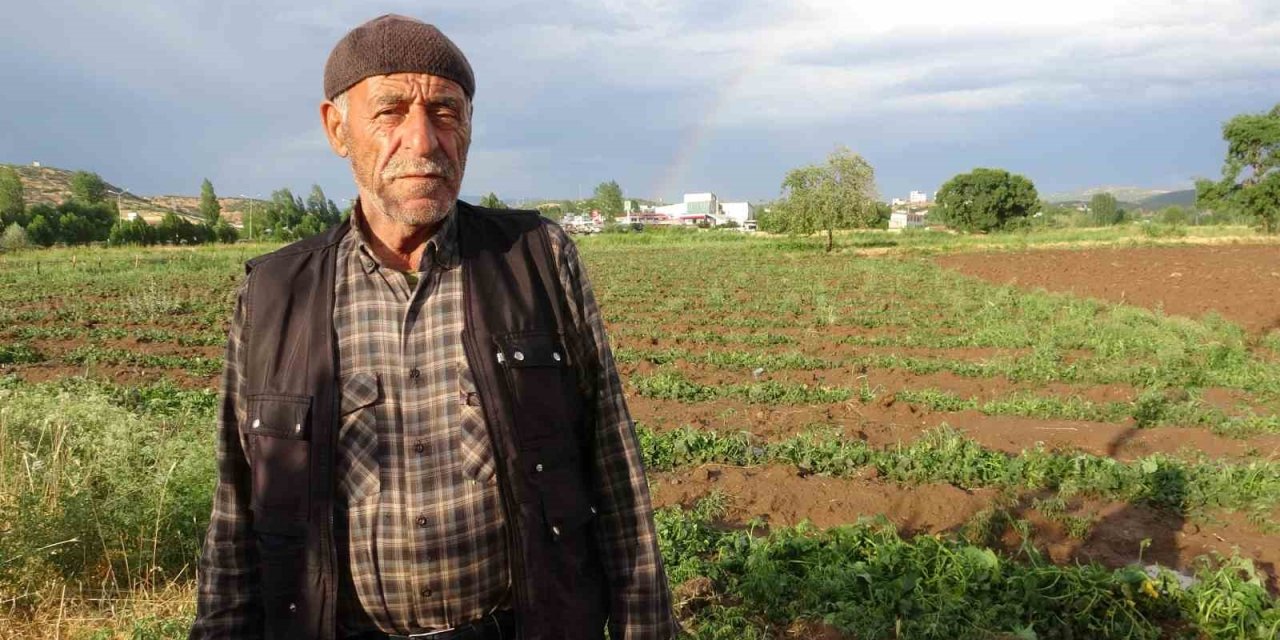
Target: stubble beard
<point x="441" y="194"/>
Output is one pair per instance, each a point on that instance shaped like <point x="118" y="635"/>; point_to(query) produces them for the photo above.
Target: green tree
<point x="492" y="201"/>
<point x="1175" y="215"/>
<point x="14" y="238"/>
<point x="210" y="209"/>
<point x="284" y="212"/>
<point x="13" y="203"/>
<point x="322" y="208"/>
<point x="608" y="199"/>
<point x="88" y="187"/>
<point x="1251" y="172"/>
<point x="838" y="195"/>
<point x="225" y="233"/>
<point x="551" y="210"/>
<point x="985" y="200"/>
<point x="135" y="231"/>
<point x="43" y="228"/>
<point x="1106" y="210"/>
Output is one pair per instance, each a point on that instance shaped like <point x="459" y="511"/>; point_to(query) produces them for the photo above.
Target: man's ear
<point x="331" y="118"/>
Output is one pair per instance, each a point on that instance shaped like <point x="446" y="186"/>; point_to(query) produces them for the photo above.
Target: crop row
<point x="946" y="455"/>
<point x="865" y="579"/>
<point x="1150" y="409"/>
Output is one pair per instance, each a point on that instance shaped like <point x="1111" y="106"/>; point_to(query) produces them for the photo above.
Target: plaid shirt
<point x="420" y="524"/>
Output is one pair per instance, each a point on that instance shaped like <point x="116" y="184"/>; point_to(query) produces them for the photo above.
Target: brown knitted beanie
<point x="395" y="44"/>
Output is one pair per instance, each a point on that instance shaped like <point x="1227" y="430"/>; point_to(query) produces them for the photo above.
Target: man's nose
<point x="417" y="133"/>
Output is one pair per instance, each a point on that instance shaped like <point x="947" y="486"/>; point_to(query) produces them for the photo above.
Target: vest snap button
<point x="555" y="356"/>
<point x="297" y="428"/>
<point x="518" y="355"/>
<point x="555" y="531"/>
<point x="257" y="423"/>
<point x="293" y="607"/>
<point x="538" y="467"/>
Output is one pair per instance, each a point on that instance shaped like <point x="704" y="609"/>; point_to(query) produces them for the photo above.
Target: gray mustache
<point x="418" y="166"/>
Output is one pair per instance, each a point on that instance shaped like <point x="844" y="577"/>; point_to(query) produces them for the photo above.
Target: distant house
<point x="904" y="220"/>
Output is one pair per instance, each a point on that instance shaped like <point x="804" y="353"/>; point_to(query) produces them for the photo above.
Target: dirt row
<point x="1113" y="537"/>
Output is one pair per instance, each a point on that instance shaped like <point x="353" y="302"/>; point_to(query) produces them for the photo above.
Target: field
<point x="866" y="444"/>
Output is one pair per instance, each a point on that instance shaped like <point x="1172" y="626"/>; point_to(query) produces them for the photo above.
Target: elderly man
<point x="422" y="431"/>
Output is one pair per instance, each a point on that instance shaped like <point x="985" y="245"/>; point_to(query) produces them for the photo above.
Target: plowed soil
<point x="1240" y="283"/>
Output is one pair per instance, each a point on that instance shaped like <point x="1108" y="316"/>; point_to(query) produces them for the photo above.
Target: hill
<point x="1123" y="194"/>
<point x="1185" y="198"/>
<point x="51" y="185"/>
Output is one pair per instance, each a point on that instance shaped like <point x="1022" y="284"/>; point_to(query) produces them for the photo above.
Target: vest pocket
<point x="547" y="403"/>
<point x="575" y="569"/>
<point x="278" y="431"/>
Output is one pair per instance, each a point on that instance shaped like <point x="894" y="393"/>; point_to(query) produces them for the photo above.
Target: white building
<point x="918" y="197"/>
<point x="904" y="220"/>
<point x="739" y="212"/>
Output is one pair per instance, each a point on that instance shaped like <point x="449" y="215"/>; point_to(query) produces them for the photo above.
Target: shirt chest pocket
<point x="277" y="434"/>
<point x="358" y="466"/>
<point x="544" y="388"/>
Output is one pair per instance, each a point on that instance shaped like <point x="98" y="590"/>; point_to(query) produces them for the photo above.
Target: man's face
<point x="407" y="136"/>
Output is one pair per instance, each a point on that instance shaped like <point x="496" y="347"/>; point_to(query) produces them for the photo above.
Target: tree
<point x="551" y="210"/>
<point x="43" y="228"/>
<point x="985" y="200"/>
<point x="492" y="201"/>
<point x="88" y="187"/>
<point x="282" y="214"/>
<point x="1251" y="172"/>
<point x="1105" y="209"/>
<point x="1175" y="215"/>
<point x="135" y="231"/>
<point x="608" y="199"/>
<point x="838" y="195"/>
<point x="225" y="233"/>
<point x="14" y="238"/>
<point x="322" y="208"/>
<point x="210" y="209"/>
<point x="13" y="204"/>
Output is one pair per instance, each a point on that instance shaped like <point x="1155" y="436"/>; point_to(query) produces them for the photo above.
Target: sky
<point x="664" y="97"/>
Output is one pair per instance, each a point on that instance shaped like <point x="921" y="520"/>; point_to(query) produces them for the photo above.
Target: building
<point x="739" y="212"/>
<point x="904" y="220"/>
<point x="704" y="204"/>
<point x="918" y="197"/>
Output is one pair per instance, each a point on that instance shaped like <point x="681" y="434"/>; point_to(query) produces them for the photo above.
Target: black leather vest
<point x="539" y="422"/>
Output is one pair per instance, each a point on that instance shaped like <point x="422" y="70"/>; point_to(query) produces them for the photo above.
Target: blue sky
<point x="664" y="97"/>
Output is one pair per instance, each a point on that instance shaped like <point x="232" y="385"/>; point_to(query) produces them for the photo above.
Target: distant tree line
<point x="91" y="215"/>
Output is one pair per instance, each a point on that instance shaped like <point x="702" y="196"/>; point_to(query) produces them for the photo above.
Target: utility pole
<point x="252" y="201"/>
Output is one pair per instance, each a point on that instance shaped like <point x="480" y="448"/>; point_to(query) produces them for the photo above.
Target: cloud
<point x="659" y="94"/>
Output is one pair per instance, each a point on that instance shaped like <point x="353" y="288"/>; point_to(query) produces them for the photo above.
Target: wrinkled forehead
<point x="410" y="87"/>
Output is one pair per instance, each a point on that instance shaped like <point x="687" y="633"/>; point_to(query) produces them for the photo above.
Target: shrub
<point x="15" y="238"/>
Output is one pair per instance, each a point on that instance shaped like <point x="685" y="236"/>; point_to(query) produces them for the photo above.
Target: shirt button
<point x="426" y="592"/>
<point x="422" y="521"/>
<point x="419" y="447"/>
<point x="414" y="373"/>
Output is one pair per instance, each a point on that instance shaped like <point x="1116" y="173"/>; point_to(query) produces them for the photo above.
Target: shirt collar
<point x="441" y="249"/>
